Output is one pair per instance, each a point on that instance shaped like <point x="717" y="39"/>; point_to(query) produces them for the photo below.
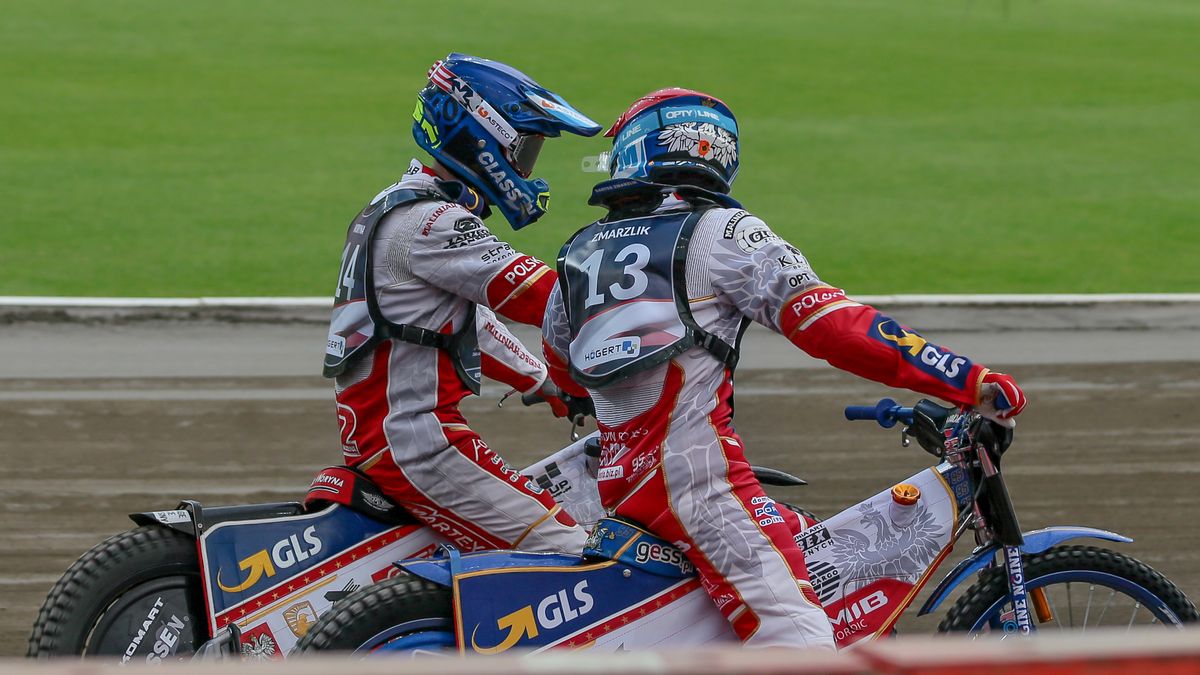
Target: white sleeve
<point x="504" y="357"/>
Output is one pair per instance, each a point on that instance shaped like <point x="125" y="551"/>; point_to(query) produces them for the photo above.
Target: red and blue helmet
<point x="485" y="122"/>
<point x="679" y="137"/>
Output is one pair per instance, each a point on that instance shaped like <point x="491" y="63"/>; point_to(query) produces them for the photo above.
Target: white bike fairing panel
<point x="687" y="617"/>
<point x="566" y="476"/>
<point x="868" y="561"/>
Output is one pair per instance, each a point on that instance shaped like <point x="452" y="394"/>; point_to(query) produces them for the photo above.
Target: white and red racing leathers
<point x="671" y="459"/>
<point x="398" y="407"/>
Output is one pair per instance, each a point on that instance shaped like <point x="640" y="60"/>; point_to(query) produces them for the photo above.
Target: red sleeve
<point x="857" y="338"/>
<point x="560" y="375"/>
<point x="519" y="291"/>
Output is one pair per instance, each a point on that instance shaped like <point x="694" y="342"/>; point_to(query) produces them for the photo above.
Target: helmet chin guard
<point x="486" y="122"/>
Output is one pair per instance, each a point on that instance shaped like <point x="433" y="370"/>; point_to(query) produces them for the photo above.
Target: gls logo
<point x="940" y="363"/>
<point x="552" y="612"/>
<point x="284" y="554"/>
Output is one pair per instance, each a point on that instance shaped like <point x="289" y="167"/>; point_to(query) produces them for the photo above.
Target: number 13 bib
<point x="624" y="290"/>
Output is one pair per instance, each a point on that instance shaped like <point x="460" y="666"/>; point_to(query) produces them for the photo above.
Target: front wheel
<point x="1083" y="587"/>
<point x="402" y="614"/>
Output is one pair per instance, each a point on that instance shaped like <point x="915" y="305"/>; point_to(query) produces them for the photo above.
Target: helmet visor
<point x="525" y="152"/>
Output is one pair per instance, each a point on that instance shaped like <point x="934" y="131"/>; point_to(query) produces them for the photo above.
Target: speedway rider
<point x="414" y="320"/>
<point x="651" y="302"/>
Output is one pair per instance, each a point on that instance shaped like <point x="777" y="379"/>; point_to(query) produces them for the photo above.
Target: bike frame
<point x="964" y="491"/>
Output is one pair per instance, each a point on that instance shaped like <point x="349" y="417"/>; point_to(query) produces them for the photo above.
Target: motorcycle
<point x="251" y="580"/>
<point x="632" y="590"/>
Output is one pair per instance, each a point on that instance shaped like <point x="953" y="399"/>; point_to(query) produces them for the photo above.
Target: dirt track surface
<point x="1112" y="446"/>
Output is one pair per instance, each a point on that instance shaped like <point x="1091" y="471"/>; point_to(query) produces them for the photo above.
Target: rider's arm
<point x="556" y="341"/>
<point x="771" y="282"/>
<point x="453" y="250"/>
<point x="503" y="357"/>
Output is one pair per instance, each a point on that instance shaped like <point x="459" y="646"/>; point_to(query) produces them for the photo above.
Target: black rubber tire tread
<point x="804" y="512"/>
<point x="367" y="612"/>
<point x="994" y="584"/>
<point x="98" y="577"/>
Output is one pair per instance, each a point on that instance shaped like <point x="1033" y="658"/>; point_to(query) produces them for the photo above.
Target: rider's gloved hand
<point x="561" y="403"/>
<point x="1000" y="399"/>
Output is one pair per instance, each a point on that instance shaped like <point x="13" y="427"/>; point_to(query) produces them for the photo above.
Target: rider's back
<point x="727" y="283"/>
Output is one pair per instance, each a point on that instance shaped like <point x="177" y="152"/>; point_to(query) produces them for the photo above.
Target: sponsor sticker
<point x="497" y="254"/>
<point x="511" y="192"/>
<point x="170" y="517"/>
<point x="610" y="473"/>
<point x="926" y="356"/>
<point x="300" y="617"/>
<point x="281" y="555"/>
<point x="437" y="213"/>
<point x="814" y="539"/>
<point x="670" y="555"/>
<point x="731" y="226"/>
<point x="755" y="237"/>
<point x="147" y="624"/>
<point x="336" y="345"/>
<point x="375" y="501"/>
<point x="259" y="644"/>
<point x="612" y="350"/>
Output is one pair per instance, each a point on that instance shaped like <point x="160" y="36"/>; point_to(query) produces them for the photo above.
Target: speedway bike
<point x="867" y="564"/>
<point x="250" y="580"/>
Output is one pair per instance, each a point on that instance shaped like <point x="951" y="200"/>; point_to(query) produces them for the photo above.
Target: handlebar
<point x="887" y="412"/>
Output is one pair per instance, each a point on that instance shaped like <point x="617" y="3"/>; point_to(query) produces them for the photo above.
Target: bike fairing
<point x="257" y="571"/>
<point x="633" y="590"/>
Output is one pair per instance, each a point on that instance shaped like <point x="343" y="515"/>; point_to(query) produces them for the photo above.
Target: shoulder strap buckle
<point x="716" y="346"/>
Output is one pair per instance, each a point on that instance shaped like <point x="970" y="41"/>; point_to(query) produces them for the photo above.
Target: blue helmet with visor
<point x="676" y="136"/>
<point x="486" y="122"/>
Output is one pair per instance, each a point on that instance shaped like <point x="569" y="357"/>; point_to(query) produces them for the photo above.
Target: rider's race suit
<point x="435" y="265"/>
<point x="671" y="459"/>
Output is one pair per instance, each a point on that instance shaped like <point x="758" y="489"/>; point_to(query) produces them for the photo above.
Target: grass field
<point x="220" y="147"/>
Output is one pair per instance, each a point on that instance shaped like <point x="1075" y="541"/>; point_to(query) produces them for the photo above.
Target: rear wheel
<point x="1083" y="587"/>
<point x="136" y="595"/>
<point x="402" y="614"/>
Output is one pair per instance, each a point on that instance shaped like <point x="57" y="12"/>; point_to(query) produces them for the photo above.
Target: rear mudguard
<point x="1035" y="542"/>
<point x="193" y="519"/>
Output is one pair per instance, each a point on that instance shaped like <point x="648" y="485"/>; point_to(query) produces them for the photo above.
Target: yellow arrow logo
<point x="257" y="564"/>
<point x="914" y="342"/>
<point x="519" y="624"/>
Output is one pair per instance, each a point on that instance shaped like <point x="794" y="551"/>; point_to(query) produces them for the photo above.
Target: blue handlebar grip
<point x="883" y="412"/>
<point x="860" y="412"/>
